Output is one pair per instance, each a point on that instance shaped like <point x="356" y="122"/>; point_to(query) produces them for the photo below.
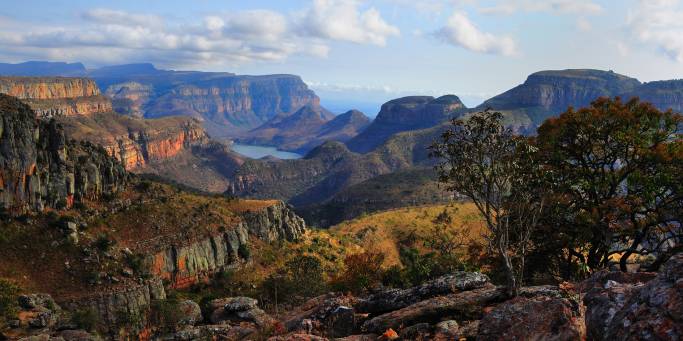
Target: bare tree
<point x="485" y="161"/>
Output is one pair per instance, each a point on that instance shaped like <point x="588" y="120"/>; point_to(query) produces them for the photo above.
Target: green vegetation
<point x="8" y="301"/>
<point x="86" y="319"/>
<point x="597" y="185"/>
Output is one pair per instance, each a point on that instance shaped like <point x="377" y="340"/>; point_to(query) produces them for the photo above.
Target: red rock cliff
<point x="57" y="96"/>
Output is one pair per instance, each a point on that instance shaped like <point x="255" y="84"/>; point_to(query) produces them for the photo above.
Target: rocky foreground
<point x="607" y="306"/>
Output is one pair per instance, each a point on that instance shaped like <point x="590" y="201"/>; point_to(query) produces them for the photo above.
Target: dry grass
<point x="384" y="231"/>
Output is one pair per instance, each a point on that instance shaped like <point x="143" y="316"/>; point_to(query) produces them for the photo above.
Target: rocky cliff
<point x="404" y="114"/>
<point x="40" y="168"/>
<point x="57" y="96"/>
<point x="549" y="93"/>
<point x="664" y="95"/>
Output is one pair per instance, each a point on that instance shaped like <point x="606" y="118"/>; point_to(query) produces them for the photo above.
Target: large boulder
<point x="239" y="309"/>
<point x="537" y="318"/>
<point x="191" y="313"/>
<point x="653" y="311"/>
<point x="394" y="299"/>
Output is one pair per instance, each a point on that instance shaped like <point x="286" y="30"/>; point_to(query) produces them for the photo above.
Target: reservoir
<point x="257" y="152"/>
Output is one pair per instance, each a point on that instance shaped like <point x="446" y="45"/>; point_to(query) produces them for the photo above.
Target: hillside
<point x="403" y="188"/>
<point x="307" y="128"/>
<point x="405" y="114"/>
<point x="78" y="227"/>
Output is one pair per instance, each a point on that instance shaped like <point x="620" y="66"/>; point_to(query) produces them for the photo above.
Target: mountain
<point x="37" y="68"/>
<point x="226" y="103"/>
<point x="176" y="146"/>
<point x="549" y="93"/>
<point x="663" y="94"/>
<point x="404" y="188"/>
<point x="330" y="168"/>
<point x="404" y="114"/>
<point x="306" y="129"/>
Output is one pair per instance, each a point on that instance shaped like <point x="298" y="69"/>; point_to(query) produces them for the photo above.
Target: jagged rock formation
<point x="40" y="168"/>
<point x="129" y="98"/>
<point x="57" y="96"/>
<point x="404" y="114"/>
<point x="307" y="128"/>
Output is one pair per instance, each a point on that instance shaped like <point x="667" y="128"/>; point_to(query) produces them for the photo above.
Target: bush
<point x="104" y="243"/>
<point x="243" y="251"/>
<point x="362" y="271"/>
<point x="8" y="301"/>
<point x="167" y="314"/>
<point x="301" y="277"/>
<point x="86" y="319"/>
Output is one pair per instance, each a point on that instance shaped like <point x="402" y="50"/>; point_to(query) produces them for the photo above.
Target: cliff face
<point x="664" y="95"/>
<point x="234" y="103"/>
<point x="404" y="114"/>
<point x="548" y="93"/>
<point x="57" y="96"/>
<point x="40" y="168"/>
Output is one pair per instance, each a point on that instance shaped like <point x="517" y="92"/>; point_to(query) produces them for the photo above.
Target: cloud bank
<point x="106" y="35"/>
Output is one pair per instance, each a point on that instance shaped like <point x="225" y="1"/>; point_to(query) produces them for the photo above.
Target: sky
<point x="357" y="53"/>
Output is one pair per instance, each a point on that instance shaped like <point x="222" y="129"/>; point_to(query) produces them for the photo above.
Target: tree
<point x="486" y="162"/>
<point x="615" y="171"/>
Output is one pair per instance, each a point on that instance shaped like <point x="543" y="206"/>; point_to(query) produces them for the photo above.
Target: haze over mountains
<point x="341" y="152"/>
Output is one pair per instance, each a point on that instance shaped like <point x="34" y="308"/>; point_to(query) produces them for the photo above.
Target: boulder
<point x="341" y="322"/>
<point x="653" y="311"/>
<point x="359" y="337"/>
<point x="447" y="330"/>
<point x="399" y="298"/>
<point x="467" y="305"/>
<point x="324" y="313"/>
<point x="191" y="313"/>
<point x="420" y="331"/>
<point x="538" y="318"/>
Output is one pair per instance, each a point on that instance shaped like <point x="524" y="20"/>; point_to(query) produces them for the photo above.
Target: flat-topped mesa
<point x="57" y="96"/>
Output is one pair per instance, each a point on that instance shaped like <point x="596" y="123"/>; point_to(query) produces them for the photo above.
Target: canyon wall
<point x="40" y="168"/>
<point x="57" y="96"/>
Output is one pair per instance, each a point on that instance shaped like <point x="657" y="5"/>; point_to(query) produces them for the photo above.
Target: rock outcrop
<point x="120" y="307"/>
<point x="634" y="307"/>
<point x="57" y="96"/>
<point x="40" y="168"/>
<point x="405" y="114"/>
<point x="276" y="222"/>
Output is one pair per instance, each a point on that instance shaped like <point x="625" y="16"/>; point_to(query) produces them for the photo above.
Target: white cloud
<point x="106" y="35"/>
<point x="507" y="7"/>
<point x="583" y="24"/>
<point x="658" y="23"/>
<point x="343" y="20"/>
<point x="460" y="31"/>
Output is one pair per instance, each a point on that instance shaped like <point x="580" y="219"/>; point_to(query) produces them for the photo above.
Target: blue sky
<point x="354" y="52"/>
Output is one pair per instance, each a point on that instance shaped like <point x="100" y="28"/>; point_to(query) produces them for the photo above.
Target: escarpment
<point x="57" y="96"/>
<point x="40" y="168"/>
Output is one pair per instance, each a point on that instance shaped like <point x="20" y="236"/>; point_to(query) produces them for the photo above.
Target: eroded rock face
<point x="276" y="222"/>
<point x="537" y="318"/>
<point x="119" y="307"/>
<point x="403" y="114"/>
<point x="57" y="96"/>
<point x="40" y="168"/>
<point x="650" y="311"/>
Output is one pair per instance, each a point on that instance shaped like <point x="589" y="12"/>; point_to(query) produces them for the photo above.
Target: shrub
<point x="243" y="251"/>
<point x="166" y="314"/>
<point x="104" y="243"/>
<point x="86" y="319"/>
<point x="8" y="301"/>
<point x="362" y="271"/>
